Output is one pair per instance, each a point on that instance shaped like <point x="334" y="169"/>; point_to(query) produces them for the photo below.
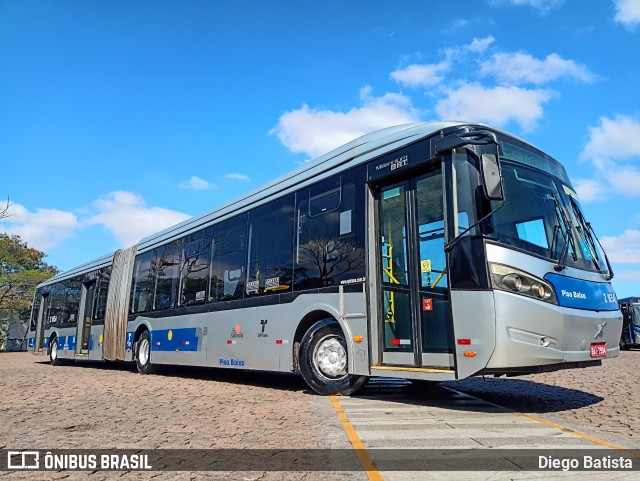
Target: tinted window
<point x="329" y="244"/>
<point x="195" y="268"/>
<point x="143" y="282"/>
<point x="102" y="290"/>
<point x="168" y="274"/>
<point x="227" y="270"/>
<point x="37" y="299"/>
<point x="73" y="291"/>
<point x="56" y="307"/>
<point x="269" y="264"/>
<point x="65" y="300"/>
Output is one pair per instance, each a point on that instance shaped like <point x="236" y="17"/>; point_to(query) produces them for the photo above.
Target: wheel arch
<point x="143" y="327"/>
<point x="310" y="318"/>
<point x="52" y="336"/>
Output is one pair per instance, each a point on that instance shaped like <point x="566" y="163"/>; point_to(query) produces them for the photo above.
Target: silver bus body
<point x="489" y="329"/>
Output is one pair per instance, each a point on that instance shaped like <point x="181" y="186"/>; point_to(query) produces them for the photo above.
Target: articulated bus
<point x="430" y="251"/>
<point x="630" y="308"/>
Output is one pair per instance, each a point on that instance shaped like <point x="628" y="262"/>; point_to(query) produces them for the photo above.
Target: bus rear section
<point x="630" y="336"/>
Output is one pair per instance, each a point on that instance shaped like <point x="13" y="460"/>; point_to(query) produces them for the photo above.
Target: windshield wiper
<point x="561" y="217"/>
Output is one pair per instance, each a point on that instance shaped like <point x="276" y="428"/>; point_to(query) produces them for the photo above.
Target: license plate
<point x="598" y="349"/>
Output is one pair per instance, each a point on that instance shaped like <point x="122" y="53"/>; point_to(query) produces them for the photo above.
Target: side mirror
<point x="491" y="177"/>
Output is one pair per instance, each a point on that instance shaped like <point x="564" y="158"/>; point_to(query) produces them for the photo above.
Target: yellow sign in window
<point x="425" y="266"/>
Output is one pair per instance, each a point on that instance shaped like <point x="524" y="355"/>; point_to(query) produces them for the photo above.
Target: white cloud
<point x="237" y="177"/>
<point x="421" y="75"/>
<point x="515" y="68"/>
<point x="628" y="12"/>
<point x="614" y="150"/>
<point x="316" y="131"/>
<point x="42" y="229"/>
<point x="623" y="249"/>
<point x="617" y="139"/>
<point x="129" y="218"/>
<point x="479" y="45"/>
<point x="495" y="105"/>
<point x="430" y="75"/>
<point x="590" y="190"/>
<point x="543" y="6"/>
<point x="196" y="183"/>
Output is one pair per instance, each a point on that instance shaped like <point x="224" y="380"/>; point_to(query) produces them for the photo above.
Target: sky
<point x="120" y="118"/>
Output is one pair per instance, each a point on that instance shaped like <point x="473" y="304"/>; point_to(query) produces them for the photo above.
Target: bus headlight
<point x="510" y="279"/>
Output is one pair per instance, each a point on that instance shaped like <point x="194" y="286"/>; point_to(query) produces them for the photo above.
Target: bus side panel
<point x="473" y="319"/>
<point x="66" y="342"/>
<point x="95" y="343"/>
<point x="252" y="338"/>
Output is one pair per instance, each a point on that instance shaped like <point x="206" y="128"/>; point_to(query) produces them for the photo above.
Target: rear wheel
<point x="324" y="362"/>
<point x="53" y="352"/>
<point x="143" y="358"/>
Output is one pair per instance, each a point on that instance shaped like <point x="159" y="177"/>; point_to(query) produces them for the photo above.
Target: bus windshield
<point x="542" y="216"/>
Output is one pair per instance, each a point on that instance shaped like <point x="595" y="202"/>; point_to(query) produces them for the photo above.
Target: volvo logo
<point x="600" y="331"/>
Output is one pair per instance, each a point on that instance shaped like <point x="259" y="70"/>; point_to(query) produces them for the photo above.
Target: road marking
<point x="363" y="456"/>
<point x="554" y="425"/>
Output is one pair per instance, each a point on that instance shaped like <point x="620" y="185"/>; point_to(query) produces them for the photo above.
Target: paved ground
<point x="90" y="406"/>
<point x="604" y="401"/>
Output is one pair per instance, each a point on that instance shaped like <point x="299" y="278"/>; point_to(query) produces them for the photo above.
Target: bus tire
<point x="143" y="357"/>
<point x="324" y="363"/>
<point x="53" y="352"/>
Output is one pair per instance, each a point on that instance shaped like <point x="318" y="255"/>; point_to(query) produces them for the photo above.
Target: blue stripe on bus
<point x="129" y="344"/>
<point x="67" y="343"/>
<point x="581" y="294"/>
<point x="184" y="339"/>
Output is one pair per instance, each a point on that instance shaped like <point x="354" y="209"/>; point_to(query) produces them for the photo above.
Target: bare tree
<point x="4" y="209"/>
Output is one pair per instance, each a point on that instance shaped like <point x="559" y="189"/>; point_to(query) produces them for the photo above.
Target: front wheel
<point x="143" y="359"/>
<point x="53" y="352"/>
<point x="324" y="362"/>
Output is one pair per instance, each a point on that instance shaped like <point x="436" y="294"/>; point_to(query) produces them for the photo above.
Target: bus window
<point x="195" y="268"/>
<point x="227" y="266"/>
<point x="168" y="274"/>
<point x="143" y="282"/>
<point x="73" y="290"/>
<point x="35" y="309"/>
<point x="269" y="264"/>
<point x="56" y="309"/>
<point x="329" y="239"/>
<point x="100" y="300"/>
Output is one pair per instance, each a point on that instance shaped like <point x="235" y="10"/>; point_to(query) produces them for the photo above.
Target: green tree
<point x="22" y="268"/>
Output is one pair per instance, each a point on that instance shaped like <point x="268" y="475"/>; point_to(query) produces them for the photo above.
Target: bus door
<point x="42" y="317"/>
<point x="84" y="321"/>
<point x="416" y="328"/>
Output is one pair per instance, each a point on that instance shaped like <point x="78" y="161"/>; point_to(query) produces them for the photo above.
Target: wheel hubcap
<point x="143" y="352"/>
<point x="54" y="350"/>
<point x="330" y="358"/>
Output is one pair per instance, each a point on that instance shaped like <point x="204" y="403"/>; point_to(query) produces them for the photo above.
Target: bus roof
<point x="379" y="142"/>
<point x="363" y="148"/>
